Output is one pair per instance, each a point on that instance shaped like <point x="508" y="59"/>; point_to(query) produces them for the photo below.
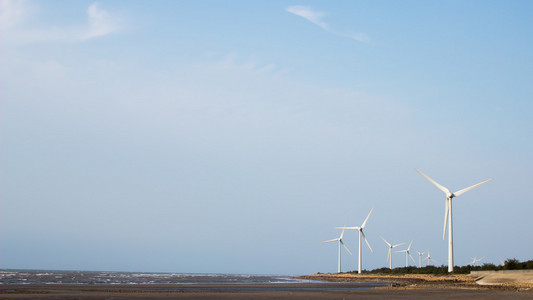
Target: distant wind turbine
<point x="389" y="256"/>
<point x="407" y="255"/>
<point x="429" y="259"/>
<point x="339" y="239"/>
<point x="448" y="213"/>
<point x="361" y="234"/>
<point x="475" y="261"/>
<point x="420" y="258"/>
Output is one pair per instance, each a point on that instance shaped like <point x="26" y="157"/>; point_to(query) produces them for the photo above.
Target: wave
<point x="92" y="277"/>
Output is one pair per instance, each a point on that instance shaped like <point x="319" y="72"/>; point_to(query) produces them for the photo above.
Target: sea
<point x="98" y="277"/>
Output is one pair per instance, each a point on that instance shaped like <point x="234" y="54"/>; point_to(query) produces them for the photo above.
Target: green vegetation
<point x="509" y="264"/>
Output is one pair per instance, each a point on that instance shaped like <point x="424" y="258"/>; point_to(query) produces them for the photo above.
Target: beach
<point x="124" y="285"/>
<point x="296" y="291"/>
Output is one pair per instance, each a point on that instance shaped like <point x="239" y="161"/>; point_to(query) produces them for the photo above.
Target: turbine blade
<point x="342" y="233"/>
<point x="458" y="193"/>
<point x="389" y="254"/>
<point x="364" y="223"/>
<point x="398" y="245"/>
<point x="386" y="241"/>
<point x="349" y="228"/>
<point x="412" y="258"/>
<point x="409" y="248"/>
<point x="333" y="240"/>
<point x="346" y="248"/>
<point x="368" y="244"/>
<point x="445" y="218"/>
<point x="445" y="190"/>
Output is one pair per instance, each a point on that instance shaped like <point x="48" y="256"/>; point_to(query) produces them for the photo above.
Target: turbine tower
<point x="389" y="256"/>
<point x="361" y="234"/>
<point x="420" y="258"/>
<point x="339" y="239"/>
<point x="448" y="213"/>
<point x="407" y="255"/>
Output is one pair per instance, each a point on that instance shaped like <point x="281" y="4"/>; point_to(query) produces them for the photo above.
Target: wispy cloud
<point x="14" y="29"/>
<point x="100" y="21"/>
<point x="308" y="14"/>
<point x="316" y="17"/>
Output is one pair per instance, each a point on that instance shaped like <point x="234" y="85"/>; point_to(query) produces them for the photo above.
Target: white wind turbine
<point x="420" y="258"/>
<point x="389" y="256"/>
<point x="339" y="239"/>
<point x="475" y="261"/>
<point x="448" y="213"/>
<point x="361" y="234"/>
<point x="429" y="259"/>
<point x="407" y="255"/>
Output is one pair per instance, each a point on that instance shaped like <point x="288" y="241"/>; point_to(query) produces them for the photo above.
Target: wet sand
<point x="255" y="291"/>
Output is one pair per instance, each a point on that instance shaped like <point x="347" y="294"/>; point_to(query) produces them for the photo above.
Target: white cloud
<point x="308" y="14"/>
<point x="15" y="30"/>
<point x="100" y="22"/>
<point x="361" y="37"/>
<point x="316" y="18"/>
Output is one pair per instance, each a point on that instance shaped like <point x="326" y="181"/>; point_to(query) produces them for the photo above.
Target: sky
<point x="233" y="137"/>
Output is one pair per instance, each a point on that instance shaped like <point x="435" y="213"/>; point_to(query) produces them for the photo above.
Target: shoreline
<point x="333" y="286"/>
<point x="316" y="286"/>
<point x="420" y="281"/>
<point x="341" y="290"/>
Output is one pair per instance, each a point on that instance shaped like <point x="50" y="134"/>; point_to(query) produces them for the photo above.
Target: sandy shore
<point x="423" y="281"/>
<point x="338" y="290"/>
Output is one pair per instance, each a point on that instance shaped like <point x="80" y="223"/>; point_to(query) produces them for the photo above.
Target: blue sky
<point x="232" y="137"/>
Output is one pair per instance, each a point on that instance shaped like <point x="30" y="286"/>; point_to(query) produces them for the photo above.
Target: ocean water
<point x="90" y="277"/>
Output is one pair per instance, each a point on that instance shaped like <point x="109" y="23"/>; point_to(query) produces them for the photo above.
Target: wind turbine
<point x="389" y="256"/>
<point x="429" y="259"/>
<point x="339" y="239"/>
<point x="475" y="261"/>
<point x="407" y="255"/>
<point x="361" y="234"/>
<point x="448" y="213"/>
<point x="420" y="258"/>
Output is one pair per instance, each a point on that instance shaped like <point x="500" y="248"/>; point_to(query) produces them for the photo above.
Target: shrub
<point x="510" y="264"/>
